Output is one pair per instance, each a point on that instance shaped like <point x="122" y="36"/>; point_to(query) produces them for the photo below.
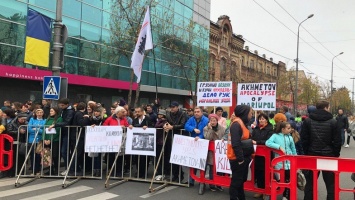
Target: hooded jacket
<point x="320" y="135"/>
<point x="285" y="141"/>
<point x="236" y="132"/>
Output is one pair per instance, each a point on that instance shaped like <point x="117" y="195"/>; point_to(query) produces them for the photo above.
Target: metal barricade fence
<point x="47" y="161"/>
<point x="250" y="185"/>
<point x="314" y="164"/>
<point x="145" y="168"/>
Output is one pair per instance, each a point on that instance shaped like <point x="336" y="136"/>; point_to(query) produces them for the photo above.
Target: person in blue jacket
<point x="195" y="127"/>
<point x="282" y="140"/>
<point x="196" y="123"/>
<point x="36" y="124"/>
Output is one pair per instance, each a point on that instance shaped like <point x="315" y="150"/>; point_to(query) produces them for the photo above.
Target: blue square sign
<point x="51" y="87"/>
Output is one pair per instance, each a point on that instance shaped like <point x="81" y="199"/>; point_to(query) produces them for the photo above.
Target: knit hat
<point x="213" y="115"/>
<point x="162" y="112"/>
<point x="280" y="117"/>
<point x="242" y="112"/>
<point x="311" y="109"/>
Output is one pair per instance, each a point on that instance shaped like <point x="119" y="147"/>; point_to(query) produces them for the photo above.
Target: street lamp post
<point x="331" y="79"/>
<point x="296" y="87"/>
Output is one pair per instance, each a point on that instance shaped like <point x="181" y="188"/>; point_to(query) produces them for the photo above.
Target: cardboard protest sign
<point x="141" y="142"/>
<point x="188" y="152"/>
<point x="100" y="139"/>
<point x="259" y="96"/>
<point x="214" y="93"/>
<point x="221" y="160"/>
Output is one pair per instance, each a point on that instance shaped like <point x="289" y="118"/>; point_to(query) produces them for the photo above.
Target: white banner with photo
<point x="101" y="139"/>
<point x="259" y="96"/>
<point x="221" y="160"/>
<point x="188" y="152"/>
<point x="141" y="142"/>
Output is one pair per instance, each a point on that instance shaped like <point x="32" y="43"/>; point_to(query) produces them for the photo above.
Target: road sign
<point x="51" y="87"/>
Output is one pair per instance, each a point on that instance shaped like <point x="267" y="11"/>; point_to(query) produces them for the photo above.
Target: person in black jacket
<point x="320" y="137"/>
<point x="176" y="123"/>
<point x="67" y="114"/>
<point x="260" y="134"/>
<point x="343" y="124"/>
<point x="143" y="121"/>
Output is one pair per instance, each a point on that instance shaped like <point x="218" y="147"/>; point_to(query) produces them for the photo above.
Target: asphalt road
<point x="51" y="188"/>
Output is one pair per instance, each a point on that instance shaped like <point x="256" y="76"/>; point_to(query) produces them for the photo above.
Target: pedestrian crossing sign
<point x="51" y="87"/>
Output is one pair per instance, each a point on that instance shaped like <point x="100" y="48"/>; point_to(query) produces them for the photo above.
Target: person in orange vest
<point x="239" y="150"/>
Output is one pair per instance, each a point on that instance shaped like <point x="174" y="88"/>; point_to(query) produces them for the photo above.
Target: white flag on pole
<point x="144" y="42"/>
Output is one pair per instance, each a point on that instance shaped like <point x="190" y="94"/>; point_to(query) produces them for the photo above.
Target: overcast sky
<point x="333" y="25"/>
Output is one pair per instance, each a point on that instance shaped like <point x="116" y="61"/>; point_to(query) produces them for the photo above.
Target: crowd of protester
<point x="294" y="135"/>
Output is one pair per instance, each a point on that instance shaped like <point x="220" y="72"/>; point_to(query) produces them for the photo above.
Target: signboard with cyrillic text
<point x="214" y="93"/>
<point x="186" y="151"/>
<point x="259" y="96"/>
<point x="101" y="139"/>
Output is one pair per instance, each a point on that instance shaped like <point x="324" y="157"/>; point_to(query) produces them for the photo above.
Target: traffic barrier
<point x="6" y="154"/>
<point x="249" y="185"/>
<point x="314" y="164"/>
<point x="130" y="167"/>
<point x="48" y="158"/>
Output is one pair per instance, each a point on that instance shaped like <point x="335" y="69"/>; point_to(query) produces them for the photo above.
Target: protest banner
<point x="188" y="152"/>
<point x="214" y="93"/>
<point x="101" y="139"/>
<point x="221" y="160"/>
<point x="259" y="96"/>
<point x="141" y="142"/>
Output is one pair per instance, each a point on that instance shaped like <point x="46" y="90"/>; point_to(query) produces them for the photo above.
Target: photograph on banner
<point x="141" y="142"/>
<point x="103" y="139"/>
<point x="214" y="93"/>
<point x="188" y="152"/>
<point x="259" y="96"/>
<point x="222" y="162"/>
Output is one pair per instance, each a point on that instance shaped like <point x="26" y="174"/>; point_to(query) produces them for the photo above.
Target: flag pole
<point x="153" y="52"/>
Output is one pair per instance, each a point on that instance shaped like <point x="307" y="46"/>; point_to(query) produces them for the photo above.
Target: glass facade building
<point x="101" y="42"/>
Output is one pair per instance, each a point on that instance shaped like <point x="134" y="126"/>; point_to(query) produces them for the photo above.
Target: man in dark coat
<point x="320" y="137"/>
<point x="343" y="125"/>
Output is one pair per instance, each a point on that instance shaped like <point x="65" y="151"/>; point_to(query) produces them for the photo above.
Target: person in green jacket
<point x="298" y="118"/>
<point x="51" y="140"/>
<point x="272" y="120"/>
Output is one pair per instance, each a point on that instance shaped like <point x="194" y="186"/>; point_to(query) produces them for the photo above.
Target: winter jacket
<point x="212" y="135"/>
<point x="98" y="121"/>
<point x="260" y="136"/>
<point x="192" y="124"/>
<point x="50" y="121"/>
<point x="33" y="126"/>
<point x="81" y="121"/>
<point x="160" y="132"/>
<point x="223" y="122"/>
<point x="285" y="141"/>
<point x="67" y="116"/>
<point x="145" y="122"/>
<point x="177" y="120"/>
<point x="342" y="122"/>
<point x="114" y="121"/>
<point x="12" y="130"/>
<point x="320" y="135"/>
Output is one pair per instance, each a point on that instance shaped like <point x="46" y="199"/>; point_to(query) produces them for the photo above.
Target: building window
<point x="222" y="70"/>
<point x="267" y="70"/>
<point x="243" y="64"/>
<point x="260" y="67"/>
<point x="211" y="68"/>
<point x="252" y="64"/>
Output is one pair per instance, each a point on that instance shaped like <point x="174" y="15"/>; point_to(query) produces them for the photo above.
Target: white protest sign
<point x="188" y="152"/>
<point x="214" y="93"/>
<point x="141" y="142"/>
<point x="221" y="160"/>
<point x="259" y="96"/>
<point x="100" y="139"/>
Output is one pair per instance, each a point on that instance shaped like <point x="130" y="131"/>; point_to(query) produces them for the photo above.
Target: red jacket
<point x="113" y="121"/>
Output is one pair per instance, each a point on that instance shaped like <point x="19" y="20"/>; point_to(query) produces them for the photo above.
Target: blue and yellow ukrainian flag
<point x="38" y="38"/>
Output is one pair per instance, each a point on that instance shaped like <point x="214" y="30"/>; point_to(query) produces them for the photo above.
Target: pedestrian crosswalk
<point x="43" y="189"/>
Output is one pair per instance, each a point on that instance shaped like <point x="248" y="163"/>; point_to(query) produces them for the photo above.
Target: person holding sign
<point x="239" y="151"/>
<point x="52" y="140"/>
<point x="260" y="134"/>
<point x="213" y="131"/>
<point x="195" y="126"/>
<point x="143" y="121"/>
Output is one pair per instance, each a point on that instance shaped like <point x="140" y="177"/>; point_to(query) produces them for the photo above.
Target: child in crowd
<point x="282" y="140"/>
